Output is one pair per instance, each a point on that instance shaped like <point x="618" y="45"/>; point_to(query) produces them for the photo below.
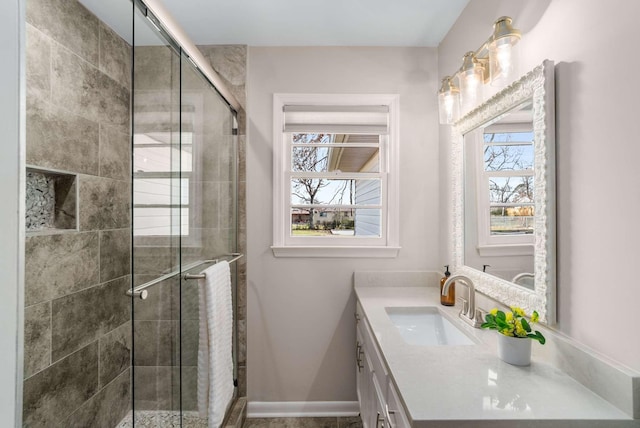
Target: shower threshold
<point x="162" y="419"/>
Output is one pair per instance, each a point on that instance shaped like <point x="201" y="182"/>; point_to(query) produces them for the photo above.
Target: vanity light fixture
<point x="449" y="101"/>
<point x="494" y="62"/>
<point x="471" y="78"/>
<point x="503" y="52"/>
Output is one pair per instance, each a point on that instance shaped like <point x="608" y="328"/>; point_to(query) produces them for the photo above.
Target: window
<point x="335" y="188"/>
<point x="506" y="187"/>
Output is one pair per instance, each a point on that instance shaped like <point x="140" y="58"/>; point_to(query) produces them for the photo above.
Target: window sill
<point x="335" y="252"/>
<point x="506" y="250"/>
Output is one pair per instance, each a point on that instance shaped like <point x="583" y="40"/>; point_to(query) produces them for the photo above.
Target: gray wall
<point x="591" y="42"/>
<point x="301" y="330"/>
<point x="77" y="318"/>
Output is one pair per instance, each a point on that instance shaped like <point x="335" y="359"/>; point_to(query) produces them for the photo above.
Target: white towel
<point x="215" y="361"/>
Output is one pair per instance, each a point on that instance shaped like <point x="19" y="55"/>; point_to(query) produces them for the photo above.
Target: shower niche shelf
<point x="51" y="201"/>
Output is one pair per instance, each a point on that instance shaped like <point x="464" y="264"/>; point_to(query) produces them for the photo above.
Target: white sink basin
<point x="425" y="326"/>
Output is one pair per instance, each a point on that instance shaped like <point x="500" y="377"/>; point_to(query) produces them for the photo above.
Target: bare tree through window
<point x="312" y="158"/>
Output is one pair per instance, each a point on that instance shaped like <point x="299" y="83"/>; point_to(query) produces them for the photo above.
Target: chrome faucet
<point x="469" y="313"/>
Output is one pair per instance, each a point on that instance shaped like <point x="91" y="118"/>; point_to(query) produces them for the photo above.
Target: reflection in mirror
<point x="503" y="195"/>
<point x="499" y="196"/>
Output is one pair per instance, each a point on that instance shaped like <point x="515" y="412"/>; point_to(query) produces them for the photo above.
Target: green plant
<point x="513" y="324"/>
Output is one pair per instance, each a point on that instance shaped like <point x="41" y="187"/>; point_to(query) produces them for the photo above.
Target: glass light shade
<point x="448" y="102"/>
<point x="471" y="82"/>
<point x="503" y="52"/>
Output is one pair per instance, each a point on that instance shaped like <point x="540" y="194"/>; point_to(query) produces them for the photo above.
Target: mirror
<point x="504" y="194"/>
<point x="499" y="209"/>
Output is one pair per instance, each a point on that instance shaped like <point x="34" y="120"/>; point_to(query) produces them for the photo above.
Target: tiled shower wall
<point x="77" y="318"/>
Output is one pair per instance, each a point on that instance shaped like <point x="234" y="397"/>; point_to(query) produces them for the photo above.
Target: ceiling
<point x="301" y="22"/>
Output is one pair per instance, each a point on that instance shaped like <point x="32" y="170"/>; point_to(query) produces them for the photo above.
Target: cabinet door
<point x="379" y="410"/>
<point x="362" y="376"/>
<point x="368" y="407"/>
<point x="394" y="410"/>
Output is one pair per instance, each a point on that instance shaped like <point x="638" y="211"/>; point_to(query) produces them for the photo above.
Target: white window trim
<point x="490" y="245"/>
<point x="330" y="247"/>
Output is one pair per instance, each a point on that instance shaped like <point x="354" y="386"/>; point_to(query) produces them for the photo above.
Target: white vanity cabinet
<point x="380" y="405"/>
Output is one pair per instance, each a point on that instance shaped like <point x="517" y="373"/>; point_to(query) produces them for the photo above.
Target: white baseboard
<point x="301" y="409"/>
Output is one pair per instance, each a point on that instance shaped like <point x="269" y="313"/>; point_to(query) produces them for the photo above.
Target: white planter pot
<point x="514" y="350"/>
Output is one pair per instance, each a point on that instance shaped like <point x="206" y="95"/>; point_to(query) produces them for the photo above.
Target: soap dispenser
<point x="449" y="300"/>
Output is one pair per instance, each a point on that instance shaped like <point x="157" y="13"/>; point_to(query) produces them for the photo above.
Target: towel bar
<point x="202" y="275"/>
<point x="141" y="290"/>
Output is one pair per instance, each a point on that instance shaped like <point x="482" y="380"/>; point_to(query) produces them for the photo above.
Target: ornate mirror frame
<point x="536" y="86"/>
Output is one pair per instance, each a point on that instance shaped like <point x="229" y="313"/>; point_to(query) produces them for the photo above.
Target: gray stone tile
<point x="66" y="213"/>
<point x="155" y="260"/>
<point x="156" y="68"/>
<point x="67" y="22"/>
<point x="241" y="301"/>
<point x="237" y="414"/>
<point x="190" y="300"/>
<point x="189" y="341"/>
<point x="291" y="422"/>
<point x="52" y="394"/>
<point x="156" y="343"/>
<point x="115" y="56"/>
<point x="226" y="205"/>
<point x="115" y="254"/>
<point x="38" y="64"/>
<point x="56" y="265"/>
<point x="113" y="108"/>
<point x="218" y="155"/>
<point x="230" y="61"/>
<point x="242" y="122"/>
<point x="242" y="380"/>
<point x="217" y="242"/>
<point x="189" y="388"/>
<point x="208" y="215"/>
<point x="81" y="318"/>
<point x="242" y="204"/>
<point x="350" y="422"/>
<point x="157" y="111"/>
<point x="57" y="138"/>
<point x="169" y="388"/>
<point x="115" y="353"/>
<point x="104" y="203"/>
<point x="107" y="408"/>
<point x="242" y="341"/>
<point x="84" y="90"/>
<point x="75" y="83"/>
<point x="114" y="153"/>
<point x="160" y="303"/>
<point x="145" y="387"/>
<point x="37" y="338"/>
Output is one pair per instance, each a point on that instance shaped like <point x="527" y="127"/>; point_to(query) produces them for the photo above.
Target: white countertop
<point x="455" y="385"/>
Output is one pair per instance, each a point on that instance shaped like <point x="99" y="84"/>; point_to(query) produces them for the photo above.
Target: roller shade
<point x="337" y="119"/>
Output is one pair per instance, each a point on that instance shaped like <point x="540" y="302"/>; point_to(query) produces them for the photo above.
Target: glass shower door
<point x="158" y="196"/>
<point x="184" y="216"/>
<point x="208" y="168"/>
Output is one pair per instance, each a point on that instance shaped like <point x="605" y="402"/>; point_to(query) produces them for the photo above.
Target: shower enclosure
<point x="131" y="184"/>
<point x="184" y="217"/>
